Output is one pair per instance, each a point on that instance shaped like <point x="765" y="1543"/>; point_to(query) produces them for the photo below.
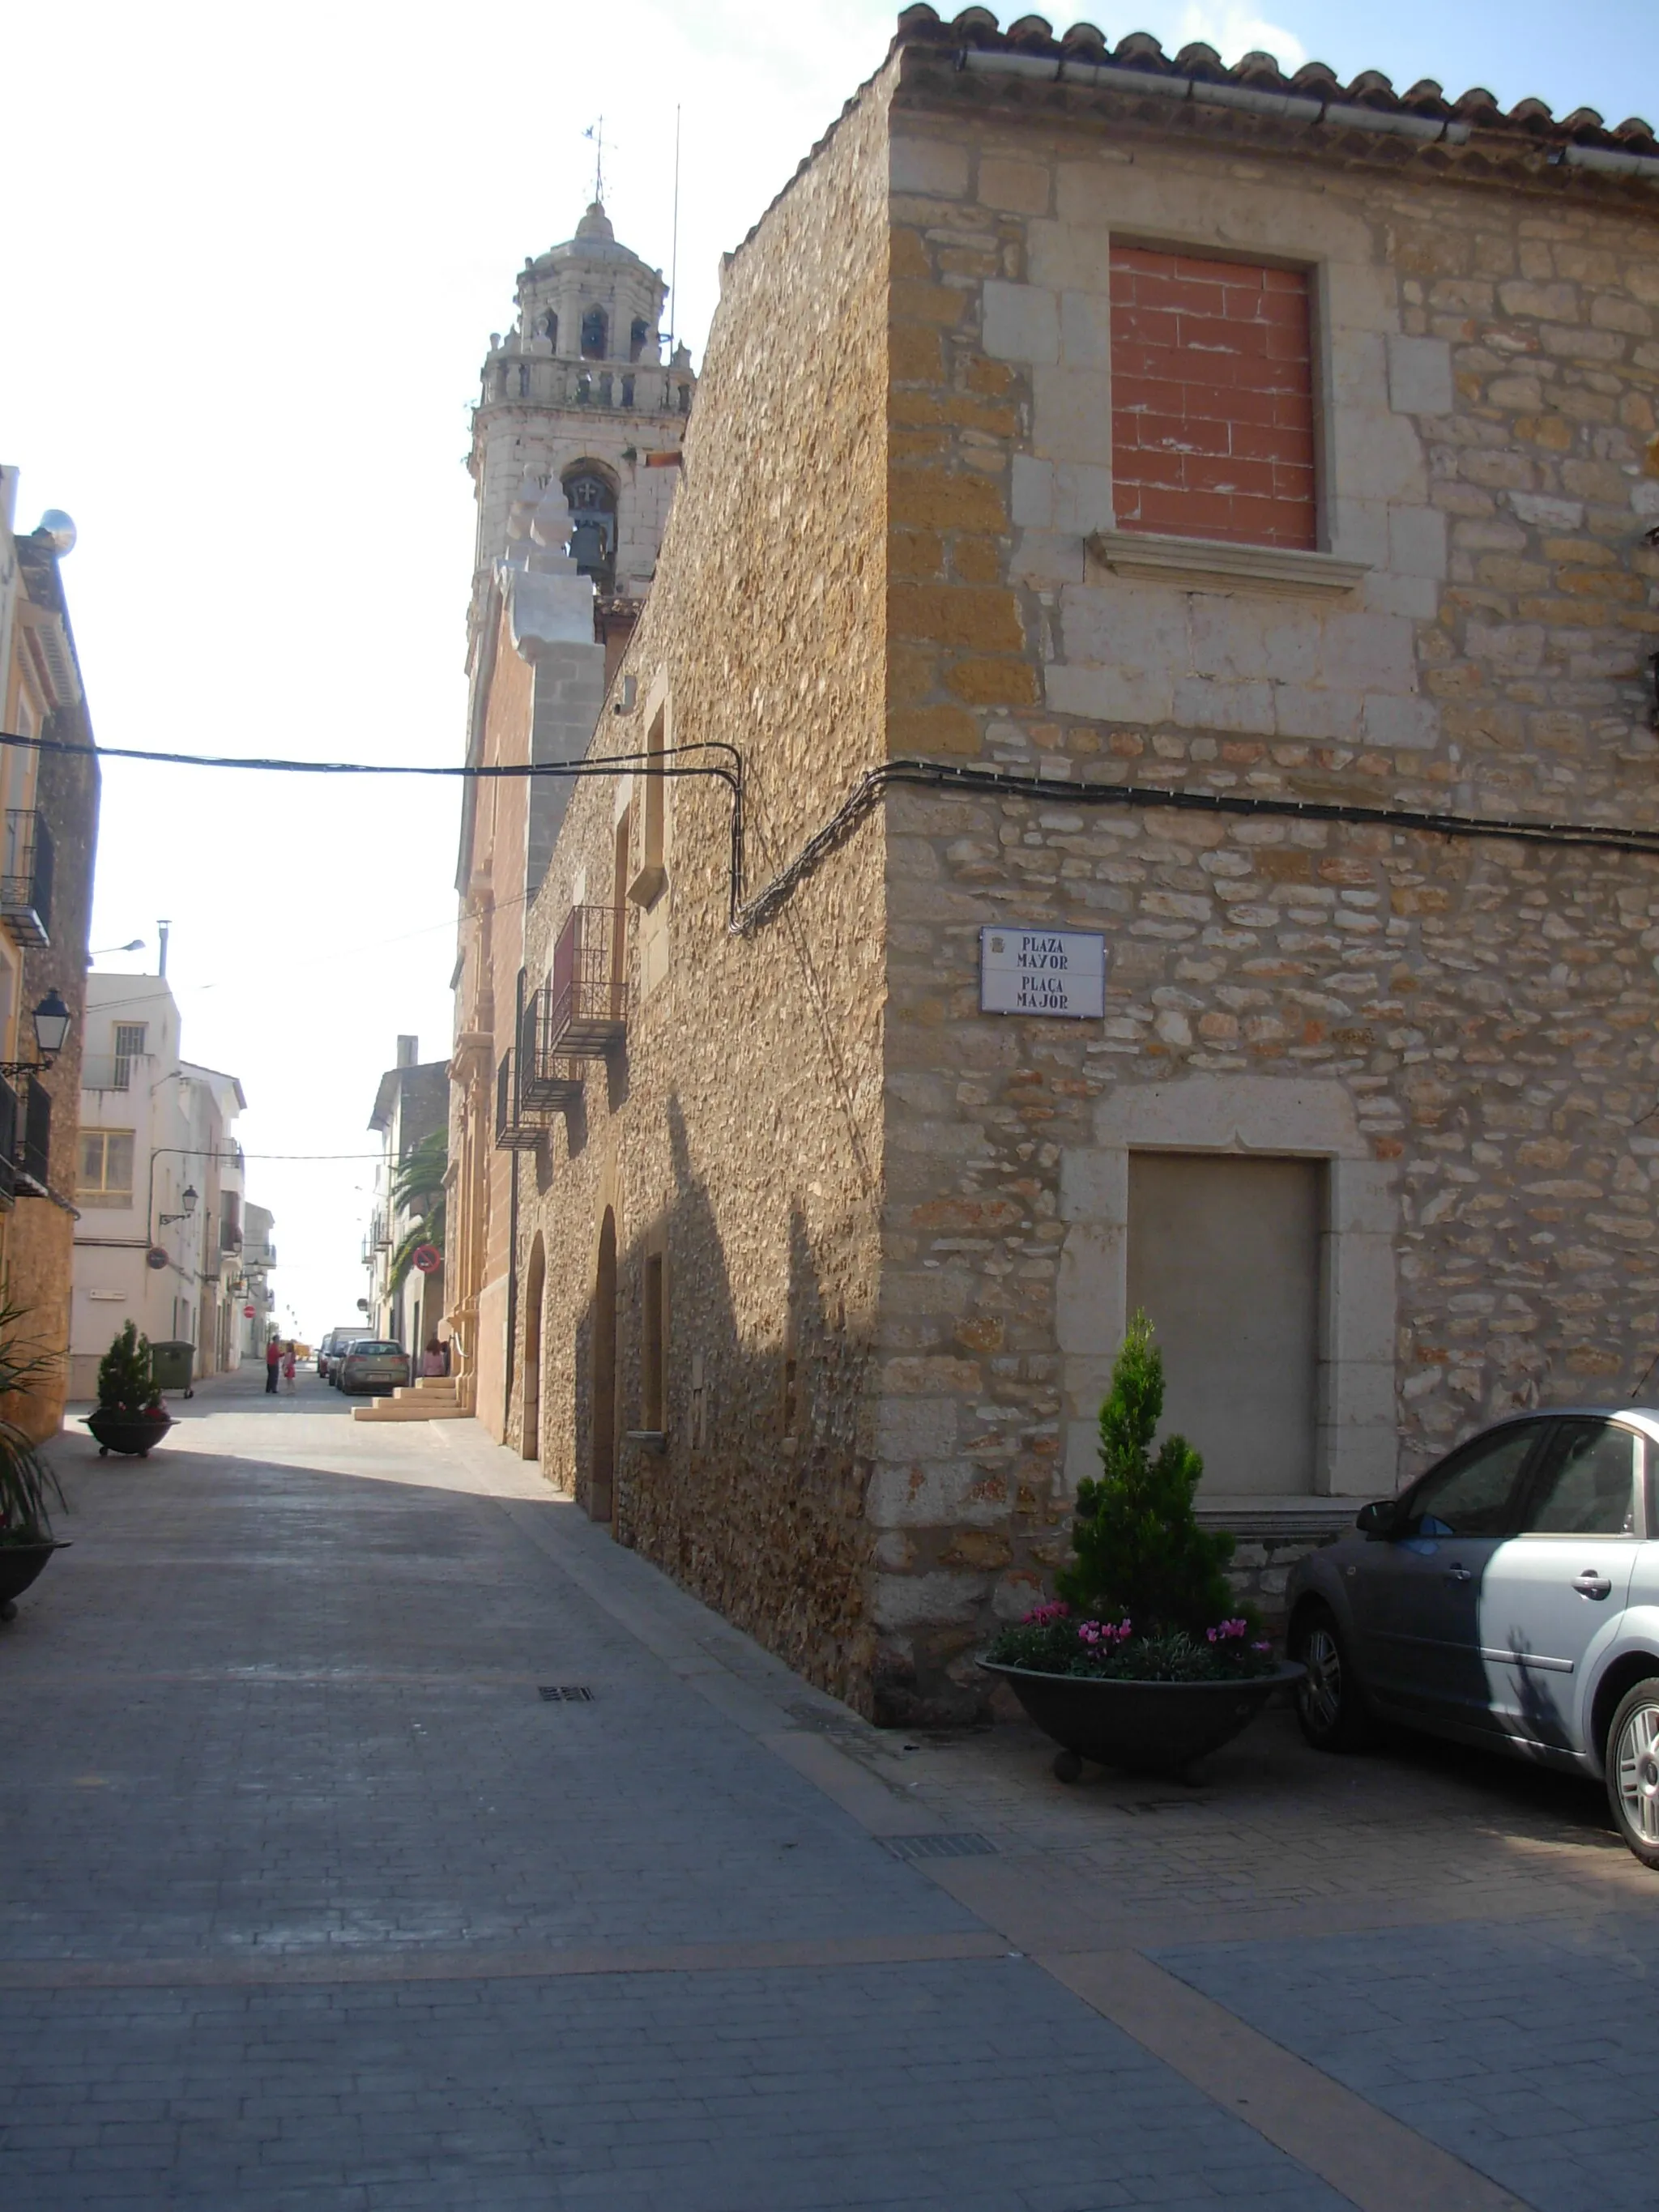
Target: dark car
<point x="373" y="1363"/>
<point x="1509" y="1599"/>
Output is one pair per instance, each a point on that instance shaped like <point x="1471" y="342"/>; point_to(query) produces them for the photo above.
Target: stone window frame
<point x="1356" y="1449"/>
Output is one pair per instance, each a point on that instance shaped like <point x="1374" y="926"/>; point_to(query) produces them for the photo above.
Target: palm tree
<point x="418" y="1182"/>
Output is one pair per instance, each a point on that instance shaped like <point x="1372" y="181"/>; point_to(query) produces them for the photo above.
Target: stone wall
<point x="737" y="1133"/>
<point x="1464" y="1031"/>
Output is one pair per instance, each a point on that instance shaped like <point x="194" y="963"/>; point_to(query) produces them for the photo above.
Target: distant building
<point x="160" y="1238"/>
<point x="259" y="1265"/>
<point x="48" y="838"/>
<point x="411" y="1105"/>
<point x="577" y="443"/>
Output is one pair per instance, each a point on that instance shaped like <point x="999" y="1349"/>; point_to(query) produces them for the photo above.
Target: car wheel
<point x="1631" y="1766"/>
<point x="1330" y="1703"/>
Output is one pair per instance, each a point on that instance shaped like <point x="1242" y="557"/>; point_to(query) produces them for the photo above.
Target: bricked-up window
<point x="1213" y="429"/>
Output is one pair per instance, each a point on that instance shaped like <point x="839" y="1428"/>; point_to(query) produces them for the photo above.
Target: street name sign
<point x="1054" y="972"/>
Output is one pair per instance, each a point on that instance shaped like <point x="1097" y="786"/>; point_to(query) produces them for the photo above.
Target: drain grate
<point x="565" y="1693"/>
<point x="940" y="1847"/>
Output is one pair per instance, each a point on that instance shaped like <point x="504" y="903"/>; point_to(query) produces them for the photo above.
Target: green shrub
<point x="28" y="1488"/>
<point x="126" y="1375"/>
<point x="1145" y="1597"/>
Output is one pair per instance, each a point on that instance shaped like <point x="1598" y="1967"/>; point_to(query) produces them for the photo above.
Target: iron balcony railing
<point x="544" y="1077"/>
<point x="586" y="990"/>
<point x="519" y="1127"/>
<point x="26" y="877"/>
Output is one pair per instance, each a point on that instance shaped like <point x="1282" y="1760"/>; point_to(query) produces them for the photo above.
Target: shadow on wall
<point x="755" y="1499"/>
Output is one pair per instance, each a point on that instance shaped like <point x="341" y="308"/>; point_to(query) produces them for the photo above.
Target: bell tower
<point x="577" y="400"/>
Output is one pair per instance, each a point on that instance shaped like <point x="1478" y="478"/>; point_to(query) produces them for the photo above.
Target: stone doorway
<point x="602" y="1473"/>
<point x="1224" y="1259"/>
<point x="530" y="1441"/>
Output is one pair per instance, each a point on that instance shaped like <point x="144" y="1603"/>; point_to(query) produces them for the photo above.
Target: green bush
<point x="1137" y="1547"/>
<point x="126" y="1375"/>
<point x="1145" y="1597"/>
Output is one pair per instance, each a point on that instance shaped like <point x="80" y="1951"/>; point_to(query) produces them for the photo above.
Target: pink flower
<point x="1043" y="1616"/>
<point x="1262" y="1646"/>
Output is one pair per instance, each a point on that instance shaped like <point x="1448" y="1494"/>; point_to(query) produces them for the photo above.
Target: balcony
<point x="26" y="877"/>
<point x="545" y="1078"/>
<point x="585" y="991"/>
<point x="519" y="1127"/>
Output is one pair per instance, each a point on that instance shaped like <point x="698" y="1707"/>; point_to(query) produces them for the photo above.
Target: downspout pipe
<point x="1286" y="107"/>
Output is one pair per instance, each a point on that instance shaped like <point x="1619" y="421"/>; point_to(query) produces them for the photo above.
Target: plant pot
<point x="131" y="1433"/>
<point x="1148" y="1728"/>
<point x="19" y="1565"/>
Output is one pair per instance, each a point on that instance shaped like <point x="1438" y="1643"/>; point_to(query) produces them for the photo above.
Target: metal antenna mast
<point x="596" y="132"/>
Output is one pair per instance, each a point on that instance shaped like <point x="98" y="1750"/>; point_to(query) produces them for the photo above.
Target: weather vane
<point x="596" y="132"/>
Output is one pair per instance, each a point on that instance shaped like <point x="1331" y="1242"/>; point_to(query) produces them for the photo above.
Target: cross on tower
<point x="596" y="131"/>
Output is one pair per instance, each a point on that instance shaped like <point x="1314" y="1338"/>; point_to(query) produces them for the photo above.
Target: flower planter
<point x="1155" y="1728"/>
<point x="130" y="1433"/>
<point x="19" y="1565"/>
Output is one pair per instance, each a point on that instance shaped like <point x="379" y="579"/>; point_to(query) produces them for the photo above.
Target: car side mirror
<point x="1381" y="1518"/>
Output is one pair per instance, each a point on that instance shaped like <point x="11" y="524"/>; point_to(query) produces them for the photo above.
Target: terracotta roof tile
<point x="1531" y="119"/>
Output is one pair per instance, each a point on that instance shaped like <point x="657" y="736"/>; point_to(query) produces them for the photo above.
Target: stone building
<point x="575" y="459"/>
<point x="1191" y="526"/>
<point x="48" y="841"/>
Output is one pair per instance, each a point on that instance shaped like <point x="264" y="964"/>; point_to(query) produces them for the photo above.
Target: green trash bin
<point x="172" y="1361"/>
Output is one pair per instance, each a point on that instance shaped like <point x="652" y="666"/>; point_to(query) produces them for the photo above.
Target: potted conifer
<point x="1144" y="1660"/>
<point x="129" y="1416"/>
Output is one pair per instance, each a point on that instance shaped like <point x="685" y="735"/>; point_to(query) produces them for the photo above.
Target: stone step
<point x="409" y="1409"/>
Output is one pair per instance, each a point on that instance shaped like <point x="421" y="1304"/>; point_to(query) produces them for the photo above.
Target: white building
<point x="160" y="1239"/>
<point x="259" y="1265"/>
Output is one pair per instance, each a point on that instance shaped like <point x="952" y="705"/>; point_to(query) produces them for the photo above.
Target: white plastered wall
<point x="1355" y="1452"/>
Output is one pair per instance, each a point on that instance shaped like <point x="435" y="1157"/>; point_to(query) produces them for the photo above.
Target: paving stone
<point x="279" y="1706"/>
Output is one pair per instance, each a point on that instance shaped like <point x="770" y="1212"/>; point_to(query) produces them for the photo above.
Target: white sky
<point x="253" y="260"/>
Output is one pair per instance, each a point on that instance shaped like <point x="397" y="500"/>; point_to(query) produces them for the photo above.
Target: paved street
<point x="312" y="1895"/>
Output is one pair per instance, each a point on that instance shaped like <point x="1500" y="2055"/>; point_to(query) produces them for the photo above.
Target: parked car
<point x="332" y="1345"/>
<point x="1510" y="1598"/>
<point x="372" y="1364"/>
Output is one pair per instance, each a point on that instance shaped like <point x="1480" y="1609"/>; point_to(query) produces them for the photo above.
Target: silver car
<point x="372" y="1364"/>
<point x="1509" y="1599"/>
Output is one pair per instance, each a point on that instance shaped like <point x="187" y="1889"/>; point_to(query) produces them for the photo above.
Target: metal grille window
<point x="129" y="1047"/>
<point x="107" y="1166"/>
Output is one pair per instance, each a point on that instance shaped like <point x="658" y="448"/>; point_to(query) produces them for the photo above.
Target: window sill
<point x="1210" y="564"/>
<point x="647" y="886"/>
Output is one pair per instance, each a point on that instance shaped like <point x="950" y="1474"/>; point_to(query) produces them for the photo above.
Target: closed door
<point x="1223" y="1261"/>
<point x="1416" y="1596"/>
<point x="1554" y="1587"/>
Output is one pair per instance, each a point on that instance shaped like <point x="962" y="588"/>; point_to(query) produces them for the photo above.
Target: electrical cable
<point x="748" y="916"/>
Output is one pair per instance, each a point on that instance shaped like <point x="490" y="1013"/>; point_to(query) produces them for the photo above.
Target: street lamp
<point x="51" y="1019"/>
<point x="187" y="1200"/>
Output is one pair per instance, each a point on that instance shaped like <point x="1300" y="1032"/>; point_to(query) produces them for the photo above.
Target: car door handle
<point x="1455" y="1574"/>
<point x="1590" y="1584"/>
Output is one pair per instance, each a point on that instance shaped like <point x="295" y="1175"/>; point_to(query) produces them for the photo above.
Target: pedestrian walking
<point x="273" y="1365"/>
<point x="287" y="1369"/>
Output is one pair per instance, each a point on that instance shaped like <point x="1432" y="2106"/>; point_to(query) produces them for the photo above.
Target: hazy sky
<point x="252" y="260"/>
